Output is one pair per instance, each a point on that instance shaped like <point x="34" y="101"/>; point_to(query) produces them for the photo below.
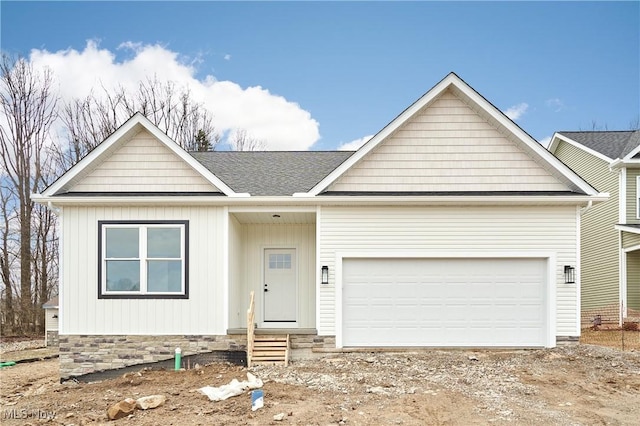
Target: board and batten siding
<point x="202" y="313"/>
<point x="632" y="196"/>
<point x="451" y="229"/>
<point x="447" y="146"/>
<point x="143" y="164"/>
<point x="255" y="239"/>
<point x="633" y="280"/>
<point x="599" y="238"/>
<point x="238" y="291"/>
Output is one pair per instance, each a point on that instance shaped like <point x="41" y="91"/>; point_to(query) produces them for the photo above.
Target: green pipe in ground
<point x="178" y="361"/>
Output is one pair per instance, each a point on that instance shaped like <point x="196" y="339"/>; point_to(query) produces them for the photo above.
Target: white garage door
<point x="444" y="302"/>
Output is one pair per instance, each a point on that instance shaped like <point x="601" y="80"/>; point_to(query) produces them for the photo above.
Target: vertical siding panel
<point x="202" y="313"/>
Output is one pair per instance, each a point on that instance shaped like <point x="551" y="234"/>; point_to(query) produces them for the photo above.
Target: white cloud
<point x="516" y="111"/>
<point x="545" y="141"/>
<point x="227" y="57"/>
<point x="355" y="144"/>
<point x="555" y="103"/>
<point x="282" y="124"/>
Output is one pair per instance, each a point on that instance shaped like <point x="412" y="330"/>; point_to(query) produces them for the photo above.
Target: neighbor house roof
<point x="612" y="144"/>
<point x="271" y="173"/>
<point x="51" y="303"/>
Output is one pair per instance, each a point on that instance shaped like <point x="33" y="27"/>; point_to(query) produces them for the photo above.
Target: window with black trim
<point x="143" y="259"/>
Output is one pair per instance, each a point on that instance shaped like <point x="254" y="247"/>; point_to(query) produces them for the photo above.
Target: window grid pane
<point x="154" y="259"/>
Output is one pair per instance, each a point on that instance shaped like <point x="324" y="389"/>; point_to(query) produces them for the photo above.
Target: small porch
<point x="272" y="252"/>
<point x="630" y="282"/>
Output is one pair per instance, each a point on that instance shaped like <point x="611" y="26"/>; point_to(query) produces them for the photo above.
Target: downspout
<point x="586" y="208"/>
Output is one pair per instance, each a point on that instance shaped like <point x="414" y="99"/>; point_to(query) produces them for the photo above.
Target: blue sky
<point x="330" y="73"/>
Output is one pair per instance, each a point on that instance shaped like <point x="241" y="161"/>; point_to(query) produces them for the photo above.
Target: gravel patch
<point x="12" y="346"/>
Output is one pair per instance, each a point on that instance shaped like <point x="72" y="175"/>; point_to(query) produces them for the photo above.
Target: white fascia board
<point x="186" y="157"/>
<point x="523" y="136"/>
<point x="427" y="200"/>
<point x="557" y="137"/>
<point x="632" y="154"/>
<point x="117" y="136"/>
<point x="631" y="164"/>
<point x="93" y="155"/>
<point x="385" y="132"/>
<point x="625" y="228"/>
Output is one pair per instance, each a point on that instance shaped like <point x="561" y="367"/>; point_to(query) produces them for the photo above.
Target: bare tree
<point x="91" y="120"/>
<point x="240" y="141"/>
<point x="28" y="109"/>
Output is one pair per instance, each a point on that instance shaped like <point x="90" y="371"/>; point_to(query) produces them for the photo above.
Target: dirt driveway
<point x="563" y="386"/>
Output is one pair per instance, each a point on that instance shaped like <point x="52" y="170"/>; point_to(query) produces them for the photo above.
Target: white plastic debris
<point x="234" y="388"/>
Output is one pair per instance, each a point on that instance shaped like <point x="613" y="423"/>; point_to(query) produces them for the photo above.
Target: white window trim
<point x="142" y="227"/>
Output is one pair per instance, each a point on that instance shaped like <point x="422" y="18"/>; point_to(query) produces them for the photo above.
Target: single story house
<point x="451" y="227"/>
<point x="610" y="240"/>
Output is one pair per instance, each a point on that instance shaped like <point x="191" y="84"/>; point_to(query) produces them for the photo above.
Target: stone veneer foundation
<point x="86" y="354"/>
<point x="52" y="337"/>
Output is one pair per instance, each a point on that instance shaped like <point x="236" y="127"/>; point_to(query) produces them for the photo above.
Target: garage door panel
<point x="444" y="302"/>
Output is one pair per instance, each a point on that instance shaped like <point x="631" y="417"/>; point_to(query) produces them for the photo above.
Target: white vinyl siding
<point x="202" y="313"/>
<point x="247" y="257"/>
<point x="436" y="229"/>
<point x="143" y="164"/>
<point x="447" y="147"/>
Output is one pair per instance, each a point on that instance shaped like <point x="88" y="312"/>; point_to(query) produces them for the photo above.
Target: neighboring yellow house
<point x="610" y="246"/>
<point x="51" y="322"/>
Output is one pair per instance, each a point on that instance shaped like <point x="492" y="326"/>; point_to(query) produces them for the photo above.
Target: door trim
<point x="280" y="324"/>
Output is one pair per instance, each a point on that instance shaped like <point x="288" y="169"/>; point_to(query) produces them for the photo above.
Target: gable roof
<point x="488" y="110"/>
<point x="271" y="173"/>
<point x="610" y="144"/>
<point x="131" y="127"/>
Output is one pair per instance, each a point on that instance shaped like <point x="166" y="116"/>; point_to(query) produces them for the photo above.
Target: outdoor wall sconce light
<point x="325" y="275"/>
<point x="569" y="274"/>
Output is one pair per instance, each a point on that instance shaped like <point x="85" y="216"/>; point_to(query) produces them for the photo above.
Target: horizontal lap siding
<point x="143" y="164"/>
<point x="84" y="313"/>
<point x="599" y="239"/>
<point x="630" y="240"/>
<point x="472" y="229"/>
<point x="632" y="195"/>
<point x="633" y="280"/>
<point x="447" y="147"/>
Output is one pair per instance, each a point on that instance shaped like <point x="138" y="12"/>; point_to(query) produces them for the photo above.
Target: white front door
<point x="280" y="286"/>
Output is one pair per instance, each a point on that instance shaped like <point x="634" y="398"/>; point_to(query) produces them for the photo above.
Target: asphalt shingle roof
<point x="271" y="173"/>
<point x="613" y="144"/>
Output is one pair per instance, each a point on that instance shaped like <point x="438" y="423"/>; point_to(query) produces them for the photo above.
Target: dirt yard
<point x="564" y="386"/>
